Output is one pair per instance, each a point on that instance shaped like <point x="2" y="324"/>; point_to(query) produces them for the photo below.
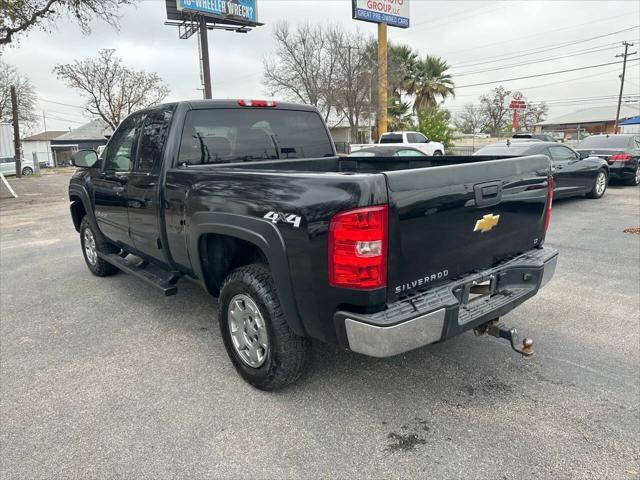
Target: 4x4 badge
<point x="291" y="218"/>
<point x="486" y="223"/>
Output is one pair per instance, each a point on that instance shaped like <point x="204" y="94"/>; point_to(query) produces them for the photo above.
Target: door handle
<point x="118" y="189"/>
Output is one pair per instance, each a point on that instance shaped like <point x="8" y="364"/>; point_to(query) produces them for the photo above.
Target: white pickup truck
<point x="410" y="139"/>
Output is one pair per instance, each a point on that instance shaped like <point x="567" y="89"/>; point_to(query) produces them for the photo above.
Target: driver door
<point x="110" y="186"/>
<point x="564" y="164"/>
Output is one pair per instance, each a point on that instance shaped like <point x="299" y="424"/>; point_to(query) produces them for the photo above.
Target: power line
<point x="533" y="62"/>
<point x="540" y="74"/>
<point x="570" y="80"/>
<point x="60" y="103"/>
<point x="540" y="34"/>
<point x="547" y="48"/>
<point x="65" y="120"/>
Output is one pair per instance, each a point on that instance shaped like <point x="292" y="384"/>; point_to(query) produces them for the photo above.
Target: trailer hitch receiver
<point x="498" y="330"/>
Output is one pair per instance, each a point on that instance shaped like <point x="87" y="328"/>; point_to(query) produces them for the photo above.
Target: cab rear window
<point x="391" y="138"/>
<point x="252" y="134"/>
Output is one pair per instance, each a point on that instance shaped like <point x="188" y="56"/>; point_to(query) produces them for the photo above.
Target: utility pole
<point x="624" y="70"/>
<point x="204" y="46"/>
<point x="44" y="123"/>
<point x="16" y="131"/>
<point x="382" y="79"/>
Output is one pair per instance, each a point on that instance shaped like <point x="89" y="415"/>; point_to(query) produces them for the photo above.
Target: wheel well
<point x="220" y="254"/>
<point x="77" y="211"/>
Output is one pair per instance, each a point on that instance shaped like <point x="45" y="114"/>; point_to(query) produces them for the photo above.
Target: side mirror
<point x="583" y="155"/>
<point x="427" y="139"/>
<point x="85" y="159"/>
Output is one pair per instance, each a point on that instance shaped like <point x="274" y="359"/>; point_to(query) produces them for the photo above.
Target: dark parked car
<point x="621" y="152"/>
<point x="389" y="151"/>
<point x="573" y="173"/>
<point x="379" y="255"/>
<point x="543" y="137"/>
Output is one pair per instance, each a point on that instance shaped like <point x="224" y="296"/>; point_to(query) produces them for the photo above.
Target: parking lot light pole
<point x="16" y="131"/>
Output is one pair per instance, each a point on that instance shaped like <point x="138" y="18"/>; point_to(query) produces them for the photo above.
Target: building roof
<point x="44" y="136"/>
<point x="593" y="115"/>
<point x="632" y="121"/>
<point x="94" y="130"/>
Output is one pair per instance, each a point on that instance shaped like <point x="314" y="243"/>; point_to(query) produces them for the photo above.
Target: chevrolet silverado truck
<point x="377" y="255"/>
<point x="408" y="139"/>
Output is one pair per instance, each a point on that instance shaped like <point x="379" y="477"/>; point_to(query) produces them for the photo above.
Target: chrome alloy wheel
<point x="601" y="183"/>
<point x="638" y="175"/>
<point x="90" y="249"/>
<point x="248" y="330"/>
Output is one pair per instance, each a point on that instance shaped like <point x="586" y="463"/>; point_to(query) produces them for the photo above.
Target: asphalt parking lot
<point x="105" y="378"/>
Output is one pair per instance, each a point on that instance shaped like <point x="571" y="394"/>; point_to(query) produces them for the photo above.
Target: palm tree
<point x="402" y="61"/>
<point x="429" y="81"/>
<point x="399" y="116"/>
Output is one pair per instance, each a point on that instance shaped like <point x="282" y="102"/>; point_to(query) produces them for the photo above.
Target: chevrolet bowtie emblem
<point x="486" y="223"/>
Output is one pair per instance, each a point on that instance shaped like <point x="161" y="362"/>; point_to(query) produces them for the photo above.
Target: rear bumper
<point x="623" y="170"/>
<point x="446" y="310"/>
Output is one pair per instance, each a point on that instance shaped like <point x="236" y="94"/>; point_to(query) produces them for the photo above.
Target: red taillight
<point x="547" y="211"/>
<point x="256" y="103"/>
<point x="358" y="248"/>
<point x="620" y="157"/>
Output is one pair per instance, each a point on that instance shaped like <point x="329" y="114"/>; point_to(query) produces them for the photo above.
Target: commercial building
<point x="590" y="120"/>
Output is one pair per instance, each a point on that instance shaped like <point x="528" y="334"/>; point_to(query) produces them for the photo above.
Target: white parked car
<point x="409" y="139"/>
<point x="8" y="166"/>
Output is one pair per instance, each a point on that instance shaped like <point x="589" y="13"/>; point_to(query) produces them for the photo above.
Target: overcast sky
<point x="473" y="36"/>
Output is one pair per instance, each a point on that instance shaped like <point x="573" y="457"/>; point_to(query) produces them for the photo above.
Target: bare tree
<point x="113" y="90"/>
<point x="303" y="67"/>
<point x="470" y="119"/>
<point x="19" y="16"/>
<point x="495" y="110"/>
<point x="24" y="91"/>
<point x="353" y="80"/>
<point x="534" y="113"/>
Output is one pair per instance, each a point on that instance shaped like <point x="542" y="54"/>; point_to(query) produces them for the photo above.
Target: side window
<point x="122" y="145"/>
<point x="561" y="154"/>
<point x="419" y="138"/>
<point x="152" y="139"/>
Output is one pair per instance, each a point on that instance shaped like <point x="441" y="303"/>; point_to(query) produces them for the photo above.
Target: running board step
<point x="147" y="272"/>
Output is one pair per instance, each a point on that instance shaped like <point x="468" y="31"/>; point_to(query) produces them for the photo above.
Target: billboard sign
<point x="237" y="11"/>
<point x="391" y="12"/>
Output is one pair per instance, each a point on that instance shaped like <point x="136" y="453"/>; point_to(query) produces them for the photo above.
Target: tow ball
<point x="498" y="330"/>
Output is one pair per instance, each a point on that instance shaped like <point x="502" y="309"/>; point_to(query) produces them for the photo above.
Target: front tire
<point x="26" y="171"/>
<point x="264" y="350"/>
<point x="600" y="185"/>
<point x="91" y="245"/>
<point x="437" y="153"/>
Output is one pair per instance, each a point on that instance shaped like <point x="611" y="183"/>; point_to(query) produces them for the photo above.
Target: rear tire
<point x="262" y="347"/>
<point x="91" y="245"/>
<point x="26" y="171"/>
<point x="635" y="181"/>
<point x="599" y="185"/>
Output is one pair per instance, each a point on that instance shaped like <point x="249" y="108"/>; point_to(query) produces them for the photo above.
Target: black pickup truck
<point x="378" y="255"/>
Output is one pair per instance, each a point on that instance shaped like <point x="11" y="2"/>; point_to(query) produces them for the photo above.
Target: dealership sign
<point x="517" y="102"/>
<point x="391" y="12"/>
<point x="237" y="10"/>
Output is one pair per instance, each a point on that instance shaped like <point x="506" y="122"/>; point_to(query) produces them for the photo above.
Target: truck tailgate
<point x="449" y="220"/>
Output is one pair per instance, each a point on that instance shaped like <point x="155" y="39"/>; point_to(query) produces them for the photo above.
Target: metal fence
<point x="459" y="151"/>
